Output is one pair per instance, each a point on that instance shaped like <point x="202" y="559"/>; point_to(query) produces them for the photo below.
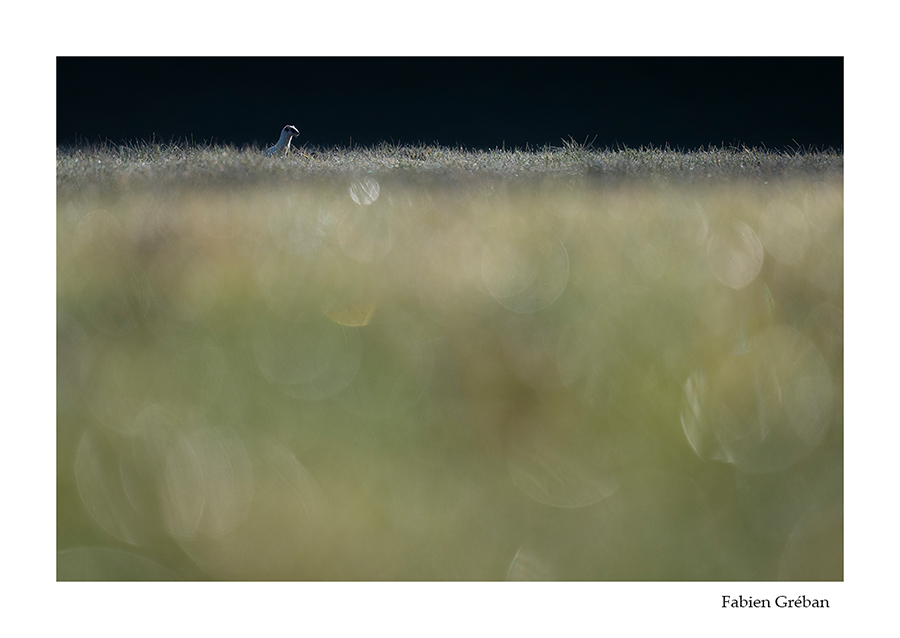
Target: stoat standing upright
<point x="284" y="142"/>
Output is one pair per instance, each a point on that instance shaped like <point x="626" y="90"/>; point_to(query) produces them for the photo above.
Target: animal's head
<point x="291" y="130"/>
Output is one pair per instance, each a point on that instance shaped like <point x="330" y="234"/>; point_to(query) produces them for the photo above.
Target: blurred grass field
<point x="435" y="364"/>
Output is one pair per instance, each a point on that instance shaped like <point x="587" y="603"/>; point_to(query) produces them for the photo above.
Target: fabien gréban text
<point x="784" y="602"/>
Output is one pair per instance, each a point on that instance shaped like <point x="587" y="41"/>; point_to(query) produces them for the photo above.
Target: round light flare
<point x="365" y="191"/>
<point x="823" y="206"/>
<point x="207" y="484"/>
<point x="528" y="566"/>
<point x="525" y="276"/>
<point x="277" y="538"/>
<point x="119" y="380"/>
<point x="353" y="313"/>
<point x="764" y="409"/>
<point x="170" y="477"/>
<point x="309" y="360"/>
<point x="561" y="461"/>
<point x="735" y="255"/>
<point x="657" y="526"/>
<point x="815" y="548"/>
<point x="102" y="491"/>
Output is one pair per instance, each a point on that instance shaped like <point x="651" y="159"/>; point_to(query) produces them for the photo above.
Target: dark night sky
<point x="473" y="102"/>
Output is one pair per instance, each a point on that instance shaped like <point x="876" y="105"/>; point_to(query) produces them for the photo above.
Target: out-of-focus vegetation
<point x="429" y="363"/>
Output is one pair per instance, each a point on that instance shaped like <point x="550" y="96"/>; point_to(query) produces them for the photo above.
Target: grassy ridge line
<point x="137" y="164"/>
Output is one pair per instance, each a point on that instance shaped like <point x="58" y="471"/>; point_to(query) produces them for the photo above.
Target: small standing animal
<point x="284" y="142"/>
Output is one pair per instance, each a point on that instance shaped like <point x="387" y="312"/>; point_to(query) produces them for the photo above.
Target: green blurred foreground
<point x="389" y="374"/>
